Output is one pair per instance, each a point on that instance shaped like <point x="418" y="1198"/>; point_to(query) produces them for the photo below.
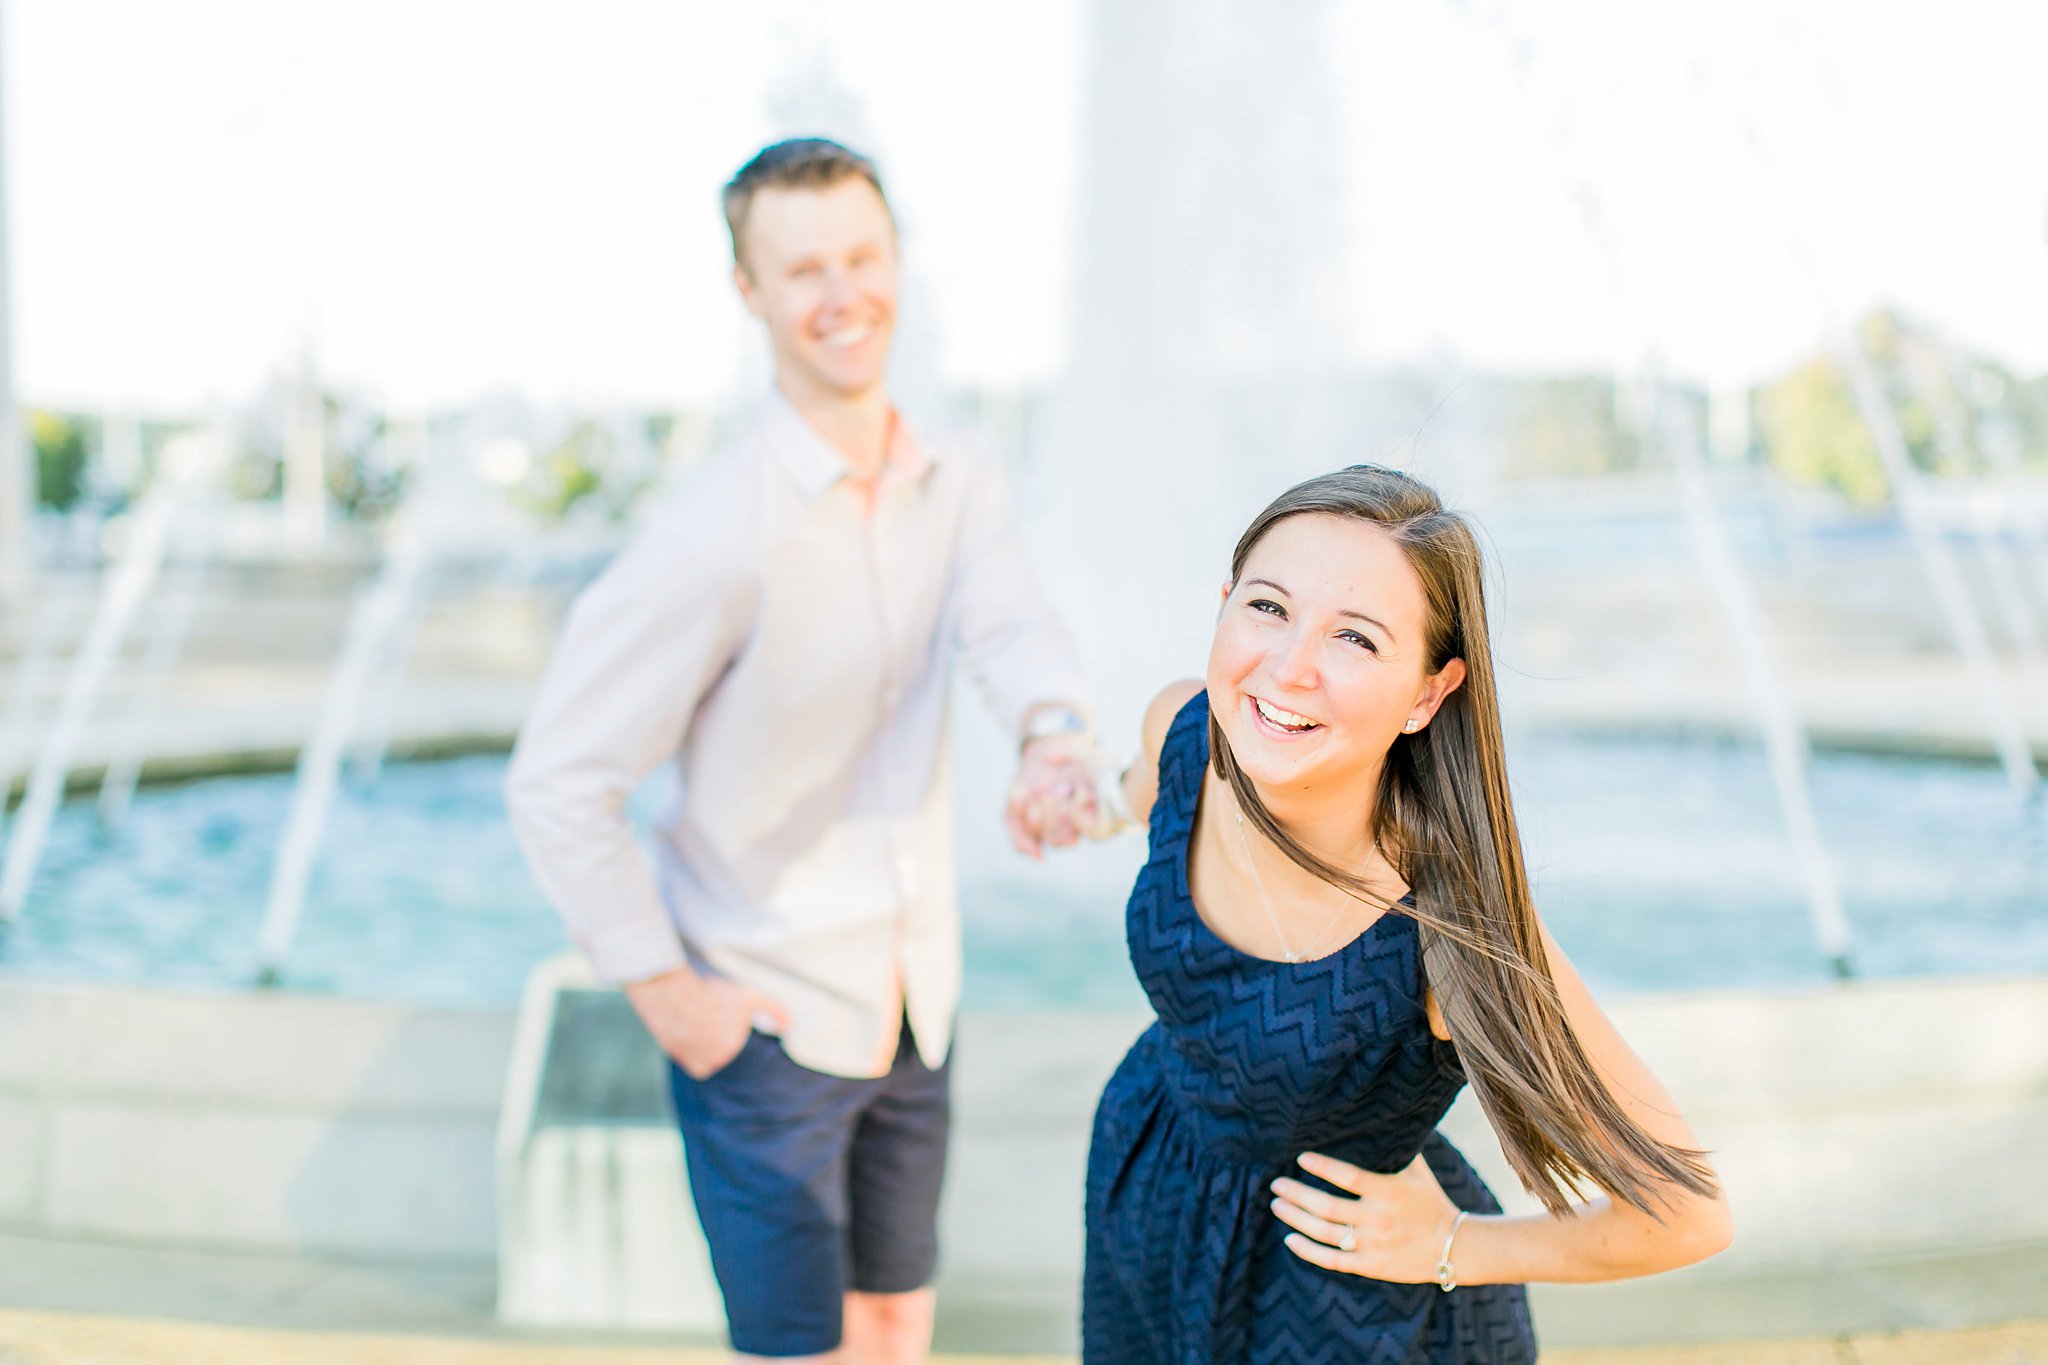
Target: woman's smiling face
<point x="1321" y="655"/>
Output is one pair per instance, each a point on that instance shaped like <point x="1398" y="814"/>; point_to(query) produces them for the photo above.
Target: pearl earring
<point x="1411" y="727"/>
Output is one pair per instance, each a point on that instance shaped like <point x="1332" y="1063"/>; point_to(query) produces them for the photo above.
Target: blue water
<point x="1660" y="865"/>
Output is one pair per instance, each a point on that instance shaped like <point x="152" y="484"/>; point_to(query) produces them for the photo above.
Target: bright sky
<point x="451" y="196"/>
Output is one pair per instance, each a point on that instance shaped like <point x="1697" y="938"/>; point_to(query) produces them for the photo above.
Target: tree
<point x="1569" y="426"/>
<point x="60" y="459"/>
<point x="1815" y="434"/>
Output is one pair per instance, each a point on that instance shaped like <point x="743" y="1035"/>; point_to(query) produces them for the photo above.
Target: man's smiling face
<point x="819" y="268"/>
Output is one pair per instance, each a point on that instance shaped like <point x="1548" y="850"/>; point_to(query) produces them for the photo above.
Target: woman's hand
<point x="1052" y="801"/>
<point x="1393" y="1229"/>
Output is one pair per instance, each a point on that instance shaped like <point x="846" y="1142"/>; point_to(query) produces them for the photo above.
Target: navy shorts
<point x="811" y="1185"/>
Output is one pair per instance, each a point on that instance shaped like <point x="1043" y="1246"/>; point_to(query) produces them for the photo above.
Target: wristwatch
<point x="1048" y="722"/>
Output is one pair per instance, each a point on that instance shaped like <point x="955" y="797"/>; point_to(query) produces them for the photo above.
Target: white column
<point x="17" y="473"/>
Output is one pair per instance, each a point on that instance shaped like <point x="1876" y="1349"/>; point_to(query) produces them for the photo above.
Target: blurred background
<point x="345" y="342"/>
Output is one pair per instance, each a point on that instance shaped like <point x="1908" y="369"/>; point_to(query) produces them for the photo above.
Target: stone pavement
<point x="1845" y="1098"/>
<point x="74" y="1339"/>
<point x="102" y="1303"/>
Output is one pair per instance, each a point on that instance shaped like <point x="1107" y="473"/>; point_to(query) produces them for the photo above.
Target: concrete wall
<point x="1877" y="1119"/>
<point x="1871" y="1120"/>
<point x="270" y="1122"/>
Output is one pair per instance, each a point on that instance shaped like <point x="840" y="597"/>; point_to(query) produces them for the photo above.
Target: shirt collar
<point x="816" y="466"/>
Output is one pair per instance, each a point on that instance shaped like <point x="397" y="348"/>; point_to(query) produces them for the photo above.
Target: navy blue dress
<point x="1251" y="1063"/>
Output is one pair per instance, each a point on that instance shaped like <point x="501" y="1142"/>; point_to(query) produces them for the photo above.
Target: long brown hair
<point x="1444" y="820"/>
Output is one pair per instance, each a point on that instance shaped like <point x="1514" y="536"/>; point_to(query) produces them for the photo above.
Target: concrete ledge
<point x="1881" y="1044"/>
<point x="253" y="1121"/>
<point x="1875" y="1119"/>
<point x="21" y="1175"/>
<point x="330" y="1182"/>
<point x="1881" y="1120"/>
<point x="275" y="1051"/>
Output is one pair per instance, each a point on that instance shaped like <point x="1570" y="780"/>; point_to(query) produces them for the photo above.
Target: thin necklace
<point x="1260" y="882"/>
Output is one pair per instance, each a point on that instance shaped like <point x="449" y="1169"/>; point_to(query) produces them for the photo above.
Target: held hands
<point x="701" y="1021"/>
<point x="1393" y="1230"/>
<point x="1052" y="800"/>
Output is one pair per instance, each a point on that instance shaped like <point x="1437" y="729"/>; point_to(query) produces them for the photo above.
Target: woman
<point x="1335" y="929"/>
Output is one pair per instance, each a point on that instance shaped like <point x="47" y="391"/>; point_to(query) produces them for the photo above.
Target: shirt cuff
<point x="636" y="951"/>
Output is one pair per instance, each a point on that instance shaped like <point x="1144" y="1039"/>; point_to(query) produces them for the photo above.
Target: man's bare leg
<point x="880" y="1329"/>
<point x="888" y="1329"/>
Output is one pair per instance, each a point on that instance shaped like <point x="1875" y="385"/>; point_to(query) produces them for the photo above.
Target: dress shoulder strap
<point x="1183" y="759"/>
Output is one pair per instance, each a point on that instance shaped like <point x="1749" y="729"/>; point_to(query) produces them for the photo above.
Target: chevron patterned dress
<point x="1251" y="1063"/>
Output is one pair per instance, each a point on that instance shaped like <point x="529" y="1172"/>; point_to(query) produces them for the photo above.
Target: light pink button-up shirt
<point x="792" y="657"/>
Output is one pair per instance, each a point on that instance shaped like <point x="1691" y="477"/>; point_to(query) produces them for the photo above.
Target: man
<point x="783" y="632"/>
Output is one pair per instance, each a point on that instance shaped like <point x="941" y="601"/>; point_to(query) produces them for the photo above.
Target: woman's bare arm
<point x="1602" y="1239"/>
<point x="1141" y="779"/>
<point x="1394" y="1226"/>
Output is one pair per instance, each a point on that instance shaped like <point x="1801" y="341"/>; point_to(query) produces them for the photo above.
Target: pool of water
<point x="1660" y="865"/>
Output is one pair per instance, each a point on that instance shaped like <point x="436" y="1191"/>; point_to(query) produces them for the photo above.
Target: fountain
<point x="1990" y="520"/>
<point x="437" y="528"/>
<point x="168" y="630"/>
<point x="1204" y="377"/>
<point x="29" y="680"/>
<point x="126" y="590"/>
<point x="1784" y="734"/>
<point x="1206" y="324"/>
<point x="375" y="622"/>
<point x="1908" y="484"/>
<point x="1943" y="575"/>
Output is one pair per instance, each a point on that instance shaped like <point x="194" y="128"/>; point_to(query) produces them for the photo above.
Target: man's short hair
<point x="800" y="163"/>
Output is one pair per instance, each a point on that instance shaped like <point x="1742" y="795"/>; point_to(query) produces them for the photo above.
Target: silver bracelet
<point x="1447" y="1278"/>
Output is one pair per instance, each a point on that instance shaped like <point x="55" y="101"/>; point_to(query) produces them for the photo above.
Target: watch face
<point x="1049" y="723"/>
